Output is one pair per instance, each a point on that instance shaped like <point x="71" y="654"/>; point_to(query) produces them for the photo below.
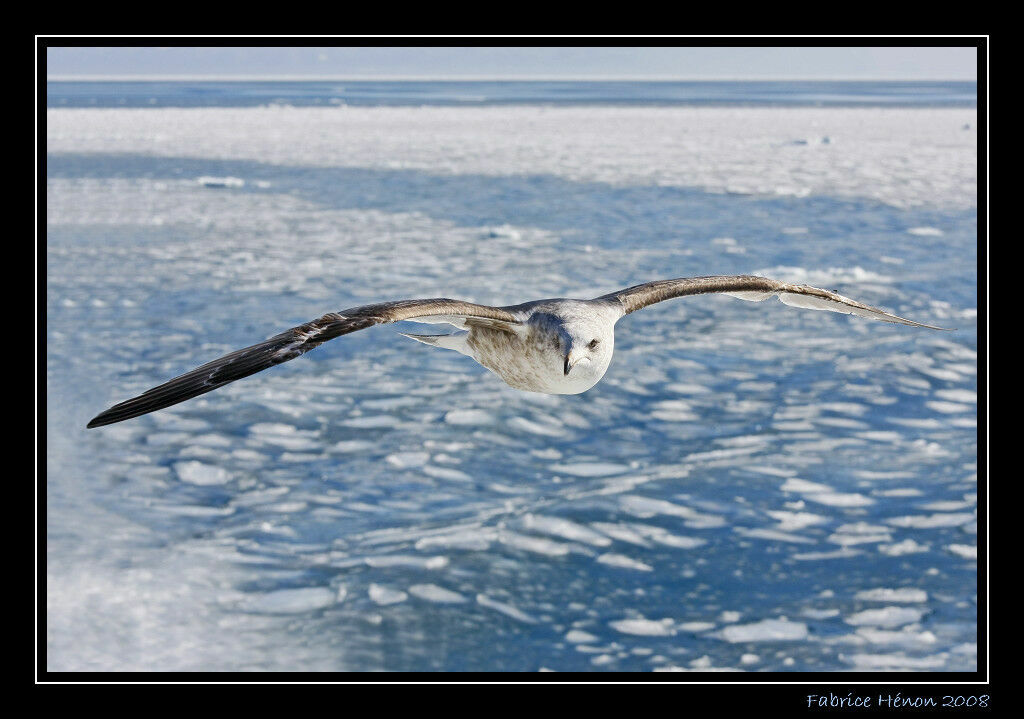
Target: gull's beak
<point x="570" y="360"/>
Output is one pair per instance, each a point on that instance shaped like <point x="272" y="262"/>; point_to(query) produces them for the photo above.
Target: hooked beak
<point x="570" y="360"/>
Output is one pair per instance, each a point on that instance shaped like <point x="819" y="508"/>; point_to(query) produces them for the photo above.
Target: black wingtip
<point x="97" y="421"/>
<point x="111" y="416"/>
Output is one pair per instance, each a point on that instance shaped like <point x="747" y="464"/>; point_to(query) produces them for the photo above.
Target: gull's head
<point x="585" y="342"/>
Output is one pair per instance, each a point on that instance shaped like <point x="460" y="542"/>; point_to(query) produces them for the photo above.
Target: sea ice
<point x="766" y="630"/>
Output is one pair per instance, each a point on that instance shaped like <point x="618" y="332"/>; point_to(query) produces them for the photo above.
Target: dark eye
<point x="593" y="344"/>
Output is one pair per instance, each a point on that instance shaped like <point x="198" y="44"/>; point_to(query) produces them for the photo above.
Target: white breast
<point x="533" y="362"/>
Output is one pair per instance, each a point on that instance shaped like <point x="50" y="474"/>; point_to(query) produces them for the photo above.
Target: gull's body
<point x="548" y="350"/>
<point x="556" y="346"/>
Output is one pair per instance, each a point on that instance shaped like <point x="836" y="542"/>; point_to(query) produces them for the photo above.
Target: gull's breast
<point x="532" y="362"/>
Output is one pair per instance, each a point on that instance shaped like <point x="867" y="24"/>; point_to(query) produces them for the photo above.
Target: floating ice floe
<point x="448" y="473"/>
<point x="469" y="539"/>
<point x="695" y="627"/>
<point x="194" y="510"/>
<point x="578" y="636"/>
<point x="933" y="521"/>
<point x="666" y="538"/>
<point x="537" y="545"/>
<point x="792" y="521"/>
<point x="565" y="529"/>
<point x="202" y="474"/>
<point x="895" y="661"/>
<point x="967" y="551"/>
<point x="772" y="535"/>
<point x="543" y="429"/>
<point x="907" y="546"/>
<point x="507" y="231"/>
<point x="823" y="494"/>
<point x="352" y="445"/>
<point x="837" y="554"/>
<point x="379" y="421"/>
<point x="767" y="630"/>
<point x="949" y="505"/>
<point x="902" y="594"/>
<point x="400" y="560"/>
<point x="434" y="593"/>
<point x="284" y="435"/>
<point x="406" y="460"/>
<point x="812" y="613"/>
<point x="948" y="407"/>
<point x="958" y="395"/>
<point x="646" y="507"/>
<point x="860" y="533"/>
<point x="886" y="617"/>
<point x="645" y="627"/>
<point x="590" y="469"/>
<point x="906" y="637"/>
<point x="291" y="601"/>
<point x="623" y="562"/>
<point x="385" y="596"/>
<point x="468" y="417"/>
<point x="507" y="609"/>
<point x="207" y="181"/>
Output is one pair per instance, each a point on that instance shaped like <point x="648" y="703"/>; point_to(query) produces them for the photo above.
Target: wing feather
<point x="288" y="345"/>
<point x="752" y="289"/>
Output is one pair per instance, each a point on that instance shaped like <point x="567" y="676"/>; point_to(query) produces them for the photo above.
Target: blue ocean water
<point x="812" y="93"/>
<point x="752" y="487"/>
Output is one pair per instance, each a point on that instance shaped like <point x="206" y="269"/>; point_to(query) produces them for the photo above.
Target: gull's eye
<point x="593" y="344"/>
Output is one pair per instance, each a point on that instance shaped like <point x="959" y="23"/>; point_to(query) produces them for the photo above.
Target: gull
<point x="554" y="346"/>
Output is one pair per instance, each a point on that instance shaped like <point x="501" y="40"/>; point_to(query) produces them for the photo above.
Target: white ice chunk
<point x="507" y="609"/>
<point x="644" y="627"/>
<point x="434" y="593"/>
<point x="202" y="474"/>
<point x="384" y="596"/>
<point x="886" y="617"/>
<point x="291" y="601"/>
<point x="767" y="630"/>
<point x="902" y="594"/>
<point x="624" y="562"/>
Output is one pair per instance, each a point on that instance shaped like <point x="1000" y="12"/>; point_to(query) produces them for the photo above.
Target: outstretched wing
<point x="297" y="341"/>
<point x="753" y="289"/>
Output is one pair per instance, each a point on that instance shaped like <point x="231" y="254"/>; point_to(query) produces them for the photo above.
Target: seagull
<point x="554" y="346"/>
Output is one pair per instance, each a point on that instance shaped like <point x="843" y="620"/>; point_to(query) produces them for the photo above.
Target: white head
<point x="584" y="338"/>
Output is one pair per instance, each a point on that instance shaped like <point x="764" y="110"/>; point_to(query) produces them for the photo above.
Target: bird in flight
<point x="556" y="346"/>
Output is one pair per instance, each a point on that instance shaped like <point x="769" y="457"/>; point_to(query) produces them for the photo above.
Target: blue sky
<point x="823" y="63"/>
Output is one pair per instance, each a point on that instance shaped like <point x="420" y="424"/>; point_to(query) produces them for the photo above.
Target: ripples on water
<point x="751" y="487"/>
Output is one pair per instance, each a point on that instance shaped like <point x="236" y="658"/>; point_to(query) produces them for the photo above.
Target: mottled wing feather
<point x="751" y="288"/>
<point x="494" y="324"/>
<point x="288" y="345"/>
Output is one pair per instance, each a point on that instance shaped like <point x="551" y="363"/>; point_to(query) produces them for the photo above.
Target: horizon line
<point x="475" y="78"/>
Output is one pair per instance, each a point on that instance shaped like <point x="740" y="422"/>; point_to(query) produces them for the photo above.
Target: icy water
<point x="466" y="93"/>
<point x="751" y="487"/>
